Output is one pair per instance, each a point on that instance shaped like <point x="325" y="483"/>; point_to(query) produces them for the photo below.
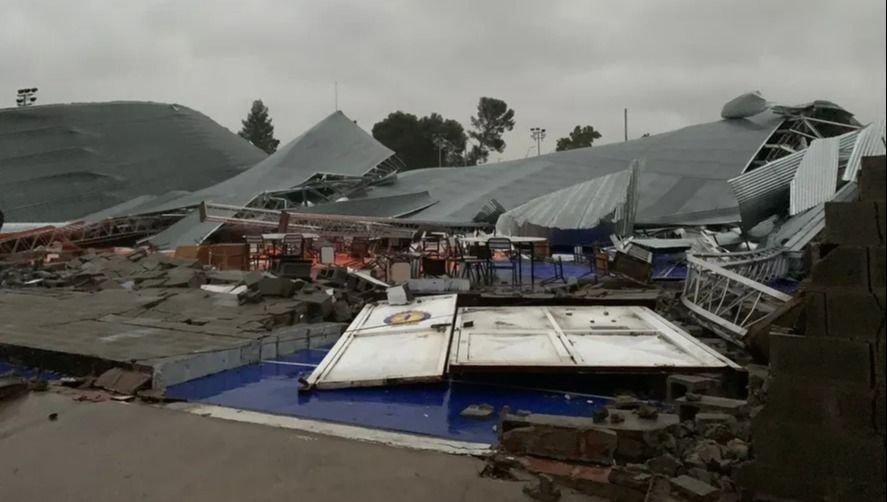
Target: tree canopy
<point x="580" y="137"/>
<point x="422" y="142"/>
<point x="493" y="119"/>
<point x="257" y="128"/>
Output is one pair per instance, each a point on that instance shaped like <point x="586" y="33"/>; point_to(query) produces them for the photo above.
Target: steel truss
<point x="85" y="234"/>
<point x="759" y="265"/>
<point x="326" y="225"/>
<point x="725" y="301"/>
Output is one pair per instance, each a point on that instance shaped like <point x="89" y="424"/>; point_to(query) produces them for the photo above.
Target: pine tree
<point x="257" y="128"/>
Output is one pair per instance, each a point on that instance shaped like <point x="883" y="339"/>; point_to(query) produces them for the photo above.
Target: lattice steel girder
<point x="726" y="301"/>
<point x="86" y="234"/>
<point x="322" y="224"/>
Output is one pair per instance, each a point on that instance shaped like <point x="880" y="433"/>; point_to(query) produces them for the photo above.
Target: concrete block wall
<point x="821" y="435"/>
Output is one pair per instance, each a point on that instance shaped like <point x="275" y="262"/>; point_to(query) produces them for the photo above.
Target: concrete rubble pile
<point x="285" y="301"/>
<point x="687" y="449"/>
<point x="172" y="319"/>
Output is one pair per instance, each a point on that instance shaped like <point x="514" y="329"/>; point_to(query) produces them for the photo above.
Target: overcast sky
<point x="558" y="64"/>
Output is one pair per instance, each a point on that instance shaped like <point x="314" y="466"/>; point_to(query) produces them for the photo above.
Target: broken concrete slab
<point x="691" y="404"/>
<point x="694" y="489"/>
<point x="182" y="277"/>
<point x="678" y="385"/>
<point x="269" y="285"/>
<point x="559" y="437"/>
<point x="123" y="381"/>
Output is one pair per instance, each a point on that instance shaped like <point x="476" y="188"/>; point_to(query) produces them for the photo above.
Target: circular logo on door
<point x="407" y="317"/>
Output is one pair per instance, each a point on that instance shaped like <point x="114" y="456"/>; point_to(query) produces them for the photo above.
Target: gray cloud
<point x="557" y="64"/>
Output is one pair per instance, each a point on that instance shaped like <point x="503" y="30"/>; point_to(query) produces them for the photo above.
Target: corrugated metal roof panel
<point x="799" y="230"/>
<point x="869" y="142"/>
<point x="765" y="191"/>
<point x="335" y="145"/>
<point x="816" y="178"/>
<point x="578" y="207"/>
<point x="683" y="181"/>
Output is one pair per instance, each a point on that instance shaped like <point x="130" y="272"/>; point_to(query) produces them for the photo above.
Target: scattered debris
<point x="12" y="386"/>
<point x="122" y="381"/>
<point x="478" y="411"/>
<point x="544" y="491"/>
<point x="558" y="437"/>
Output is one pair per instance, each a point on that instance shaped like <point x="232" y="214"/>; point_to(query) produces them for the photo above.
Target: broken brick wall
<point x="821" y="435"/>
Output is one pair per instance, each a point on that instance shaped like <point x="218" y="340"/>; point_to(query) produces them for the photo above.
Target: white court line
<point x="389" y="438"/>
<point x="288" y="363"/>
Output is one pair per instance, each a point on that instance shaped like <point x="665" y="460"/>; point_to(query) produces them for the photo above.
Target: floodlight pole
<point x="625" y="122"/>
<point x="538" y="134"/>
<point x="26" y="97"/>
<point x="440" y="142"/>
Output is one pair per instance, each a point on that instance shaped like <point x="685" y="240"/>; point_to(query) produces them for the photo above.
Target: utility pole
<point x="625" y="122"/>
<point x="26" y="97"/>
<point x="336" y="94"/>
<point x="538" y="134"/>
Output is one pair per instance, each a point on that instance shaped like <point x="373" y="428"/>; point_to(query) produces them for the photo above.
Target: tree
<point x="580" y="137"/>
<point x="257" y="128"/>
<point x="493" y="119"/>
<point x="422" y="142"/>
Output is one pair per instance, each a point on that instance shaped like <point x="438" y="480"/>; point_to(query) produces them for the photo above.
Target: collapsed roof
<point x="335" y="147"/>
<point x="61" y="162"/>
<point x="682" y="177"/>
<point x="683" y="181"/>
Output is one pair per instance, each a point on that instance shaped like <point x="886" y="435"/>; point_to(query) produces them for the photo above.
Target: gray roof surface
<point x="336" y="145"/>
<point x="62" y="162"/>
<point x="578" y="207"/>
<point x="683" y="180"/>
<point x="394" y="206"/>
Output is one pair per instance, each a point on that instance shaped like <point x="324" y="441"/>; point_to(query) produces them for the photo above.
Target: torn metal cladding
<point x="816" y="179"/>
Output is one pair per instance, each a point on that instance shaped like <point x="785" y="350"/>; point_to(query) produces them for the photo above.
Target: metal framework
<point x="83" y="234"/>
<point x="326" y="187"/>
<point x="321" y="224"/>
<point x="762" y="265"/>
<point x="795" y="134"/>
<point x="726" y="301"/>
